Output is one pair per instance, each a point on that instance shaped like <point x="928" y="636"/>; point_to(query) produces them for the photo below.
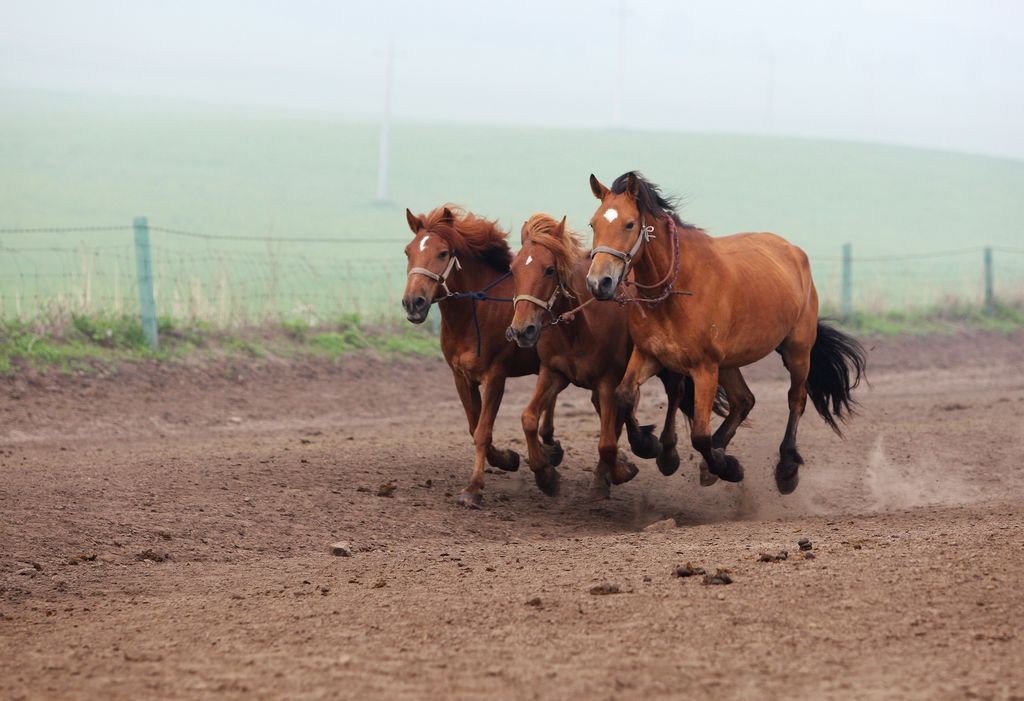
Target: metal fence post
<point x="144" y="269"/>
<point x="990" y="307"/>
<point x="846" y="304"/>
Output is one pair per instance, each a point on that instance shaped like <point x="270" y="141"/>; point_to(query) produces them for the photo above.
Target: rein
<point x="474" y="296"/>
<point x="666" y="283"/>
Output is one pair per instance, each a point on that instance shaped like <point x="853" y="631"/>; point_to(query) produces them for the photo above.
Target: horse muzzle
<point x="525" y="336"/>
<point x="602" y="286"/>
<point x="416" y="308"/>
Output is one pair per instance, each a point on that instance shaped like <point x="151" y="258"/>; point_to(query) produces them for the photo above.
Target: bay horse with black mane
<point x="708" y="306"/>
<point x="461" y="262"/>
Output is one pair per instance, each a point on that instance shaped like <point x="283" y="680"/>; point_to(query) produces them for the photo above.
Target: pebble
<point x="535" y="601"/>
<point x="606" y="588"/>
<point x="666" y="524"/>
<point x="769" y="557"/>
<point x="805" y="544"/>
<point x="341" y="549"/>
<point x="648" y="578"/>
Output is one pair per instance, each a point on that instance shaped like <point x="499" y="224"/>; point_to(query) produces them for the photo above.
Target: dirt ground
<point x="165" y="533"/>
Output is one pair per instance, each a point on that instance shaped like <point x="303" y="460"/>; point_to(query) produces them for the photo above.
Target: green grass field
<point x="71" y="162"/>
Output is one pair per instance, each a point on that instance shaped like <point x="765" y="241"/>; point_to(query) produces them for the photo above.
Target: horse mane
<point x="471" y="235"/>
<point x="649" y="197"/>
<point x="567" y="248"/>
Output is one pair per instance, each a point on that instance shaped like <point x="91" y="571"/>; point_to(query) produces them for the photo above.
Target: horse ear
<point x="560" y="229"/>
<point x="524" y="233"/>
<point x="632" y="185"/>
<point x="414" y="222"/>
<point x="447" y="217"/>
<point x="597" y="188"/>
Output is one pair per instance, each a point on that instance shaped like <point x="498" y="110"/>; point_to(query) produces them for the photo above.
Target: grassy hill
<point x="81" y="162"/>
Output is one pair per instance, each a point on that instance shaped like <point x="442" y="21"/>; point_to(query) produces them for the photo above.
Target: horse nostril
<point x="606" y="283"/>
<point x="420" y="303"/>
<point x="530" y="330"/>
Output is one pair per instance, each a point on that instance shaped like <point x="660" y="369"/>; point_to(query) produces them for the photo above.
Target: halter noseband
<point x="546" y="306"/>
<point x="453" y="262"/>
<point x="646" y="234"/>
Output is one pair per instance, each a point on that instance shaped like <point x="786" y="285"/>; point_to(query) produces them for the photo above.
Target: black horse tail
<point x="838" y="362"/>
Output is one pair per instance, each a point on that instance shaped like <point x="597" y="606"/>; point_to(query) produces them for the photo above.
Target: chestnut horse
<point x="584" y="344"/>
<point x="708" y="306"/>
<point x="461" y="262"/>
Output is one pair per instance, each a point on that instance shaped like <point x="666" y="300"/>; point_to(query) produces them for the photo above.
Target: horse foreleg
<point x="705" y="385"/>
<point x="549" y="384"/>
<point x="668" y="458"/>
<point x="493" y="390"/>
<point x="641" y="368"/>
<point x="612" y="467"/>
<point x="469" y="395"/>
<point x="552" y="447"/>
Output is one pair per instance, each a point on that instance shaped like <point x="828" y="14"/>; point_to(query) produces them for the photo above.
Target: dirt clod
<point x="535" y="601"/>
<point x="387" y="489"/>
<point x="606" y="588"/>
<point x="687" y="570"/>
<point x="666" y="524"/>
<point x="153" y="555"/>
<point x="719" y="577"/>
<point x="773" y="557"/>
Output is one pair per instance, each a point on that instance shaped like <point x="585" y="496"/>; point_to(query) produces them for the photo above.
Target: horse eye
<point x="442" y="255"/>
<point x="550" y="271"/>
<point x="591" y="225"/>
<point x="630" y="225"/>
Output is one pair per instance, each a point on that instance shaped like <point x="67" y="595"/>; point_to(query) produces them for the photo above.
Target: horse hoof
<point x="729" y="469"/>
<point x="787" y="472"/>
<point x="471" y="500"/>
<point x="668" y="461"/>
<point x="623" y="471"/>
<point x="554" y="453"/>
<point x="644" y="443"/>
<point x="548" y="481"/>
<point x="706" y="478"/>
<point x="507" y="460"/>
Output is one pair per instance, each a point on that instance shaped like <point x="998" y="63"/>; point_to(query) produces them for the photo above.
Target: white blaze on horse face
<point x="423" y="242"/>
<point x="611" y="215"/>
<point x="529" y="259"/>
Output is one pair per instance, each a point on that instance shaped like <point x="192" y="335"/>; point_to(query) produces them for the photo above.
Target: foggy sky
<point x="930" y="73"/>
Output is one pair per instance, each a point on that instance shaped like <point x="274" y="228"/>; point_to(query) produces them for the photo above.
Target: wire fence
<point x="244" y="280"/>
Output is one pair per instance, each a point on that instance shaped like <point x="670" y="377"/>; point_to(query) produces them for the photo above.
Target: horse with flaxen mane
<point x="461" y="262"/>
<point x="584" y="344"/>
<point x="708" y="306"/>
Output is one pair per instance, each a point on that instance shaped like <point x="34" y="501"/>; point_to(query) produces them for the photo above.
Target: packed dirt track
<point x="165" y="532"/>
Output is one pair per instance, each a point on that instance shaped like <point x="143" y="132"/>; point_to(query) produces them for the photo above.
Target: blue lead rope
<point x="481" y="296"/>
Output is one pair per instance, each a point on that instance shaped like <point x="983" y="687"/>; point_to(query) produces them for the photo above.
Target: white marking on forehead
<point x="529" y="259"/>
<point x="611" y="214"/>
<point x="423" y="242"/>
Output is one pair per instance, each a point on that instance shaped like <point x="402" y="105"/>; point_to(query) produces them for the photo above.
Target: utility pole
<point x="384" y="150"/>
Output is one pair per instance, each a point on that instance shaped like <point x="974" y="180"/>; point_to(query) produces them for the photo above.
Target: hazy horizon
<point x="927" y="75"/>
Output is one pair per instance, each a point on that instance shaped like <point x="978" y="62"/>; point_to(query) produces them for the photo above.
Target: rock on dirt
<point x="773" y="557"/>
<point x="606" y="588"/>
<point x="153" y="555"/>
<point x="341" y="549"/>
<point x="387" y="489"/>
<point x="687" y="570"/>
<point x="666" y="524"/>
<point x="535" y="601"/>
<point x="805" y="544"/>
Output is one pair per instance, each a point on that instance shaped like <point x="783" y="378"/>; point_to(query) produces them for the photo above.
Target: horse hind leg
<point x="719" y="464"/>
<point x="796" y="354"/>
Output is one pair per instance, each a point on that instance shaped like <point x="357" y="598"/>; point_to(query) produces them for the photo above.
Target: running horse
<point x="584" y="344"/>
<point x="460" y="262"/>
<point x="708" y="306"/>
